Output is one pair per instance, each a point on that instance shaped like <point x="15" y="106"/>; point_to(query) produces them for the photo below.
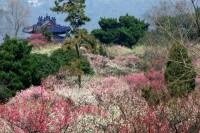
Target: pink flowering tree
<point x="88" y="118"/>
<point x="37" y="40"/>
<point x="37" y="110"/>
<point x="118" y="107"/>
<point x="128" y="112"/>
<point x="151" y="85"/>
<point x="120" y="102"/>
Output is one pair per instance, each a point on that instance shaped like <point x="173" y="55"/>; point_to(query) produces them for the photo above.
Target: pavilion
<point x="49" y="22"/>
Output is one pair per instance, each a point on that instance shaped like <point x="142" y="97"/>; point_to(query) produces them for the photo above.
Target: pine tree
<point x="17" y="70"/>
<point x="180" y="73"/>
<point x="76" y="17"/>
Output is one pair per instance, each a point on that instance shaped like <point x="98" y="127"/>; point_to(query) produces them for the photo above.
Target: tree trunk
<point x="196" y="17"/>
<point x="77" y="51"/>
<point x="79" y="76"/>
<point x="15" y="33"/>
<point x="79" y="81"/>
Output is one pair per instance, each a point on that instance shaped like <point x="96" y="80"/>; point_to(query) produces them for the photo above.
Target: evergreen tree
<point x="180" y="73"/>
<point x="17" y="69"/>
<point x="76" y="17"/>
<point x="75" y="12"/>
<point x="126" y="31"/>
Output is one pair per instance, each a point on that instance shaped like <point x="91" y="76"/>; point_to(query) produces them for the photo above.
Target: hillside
<point x="113" y="99"/>
<point x="126" y="76"/>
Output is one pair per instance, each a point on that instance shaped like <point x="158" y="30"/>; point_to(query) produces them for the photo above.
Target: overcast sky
<point x="95" y="9"/>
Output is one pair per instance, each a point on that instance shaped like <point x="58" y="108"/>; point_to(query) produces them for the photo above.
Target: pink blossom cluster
<point x="52" y="83"/>
<point x="119" y="108"/>
<point x="37" y="110"/>
<point x="37" y="40"/>
<point x="97" y="62"/>
<point x="153" y="79"/>
<point x="36" y="36"/>
<point x="87" y="118"/>
<point x="137" y="81"/>
<point x="136" y="115"/>
<point x="156" y="80"/>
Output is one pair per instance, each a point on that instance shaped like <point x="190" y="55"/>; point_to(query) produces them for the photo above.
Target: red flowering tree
<point x="37" y="110"/>
<point x="128" y="112"/>
<point x="121" y="103"/>
<point x="151" y="85"/>
<point x="37" y="40"/>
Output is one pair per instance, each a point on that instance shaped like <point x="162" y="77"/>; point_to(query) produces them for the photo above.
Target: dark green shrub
<point x="44" y="64"/>
<point x="150" y="97"/>
<point x="5" y="94"/>
<point x="102" y="51"/>
<point x="85" y="66"/>
<point x="61" y="57"/>
<point x="126" y="31"/>
<point x="153" y="98"/>
<point x="65" y="58"/>
<point x="17" y="70"/>
<point x="180" y="73"/>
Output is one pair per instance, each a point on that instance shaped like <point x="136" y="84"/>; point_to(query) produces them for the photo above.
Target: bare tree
<point x="176" y="21"/>
<point x="16" y="15"/>
<point x="177" y="18"/>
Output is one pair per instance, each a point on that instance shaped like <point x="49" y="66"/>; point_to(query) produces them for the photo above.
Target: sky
<point x="95" y="9"/>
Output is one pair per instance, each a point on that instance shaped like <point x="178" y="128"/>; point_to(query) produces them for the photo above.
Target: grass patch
<point x="117" y="50"/>
<point x="48" y="49"/>
<point x="138" y="49"/>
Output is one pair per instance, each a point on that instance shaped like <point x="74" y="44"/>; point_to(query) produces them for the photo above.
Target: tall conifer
<point x="76" y="17"/>
<point x="180" y="73"/>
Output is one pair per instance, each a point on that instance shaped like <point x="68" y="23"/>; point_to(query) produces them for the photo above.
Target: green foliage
<point x="44" y="64"/>
<point x="62" y="57"/>
<point x="149" y="96"/>
<point x="47" y="33"/>
<point x="126" y="31"/>
<point x="75" y="10"/>
<point x="76" y="17"/>
<point x="17" y="70"/>
<point x="59" y="58"/>
<point x="180" y="73"/>
<point x="71" y="62"/>
<point x="102" y="51"/>
<point x="109" y="23"/>
<point x="85" y="39"/>
<point x="153" y="98"/>
<point x="5" y="94"/>
<point x="74" y="67"/>
<point x="79" y="67"/>
<point x="85" y="66"/>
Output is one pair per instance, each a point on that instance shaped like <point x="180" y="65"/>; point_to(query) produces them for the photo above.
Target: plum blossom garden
<point x="120" y="78"/>
<point x="117" y="103"/>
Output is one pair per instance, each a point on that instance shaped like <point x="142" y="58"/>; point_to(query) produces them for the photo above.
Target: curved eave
<point x="59" y="29"/>
<point x="28" y="30"/>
